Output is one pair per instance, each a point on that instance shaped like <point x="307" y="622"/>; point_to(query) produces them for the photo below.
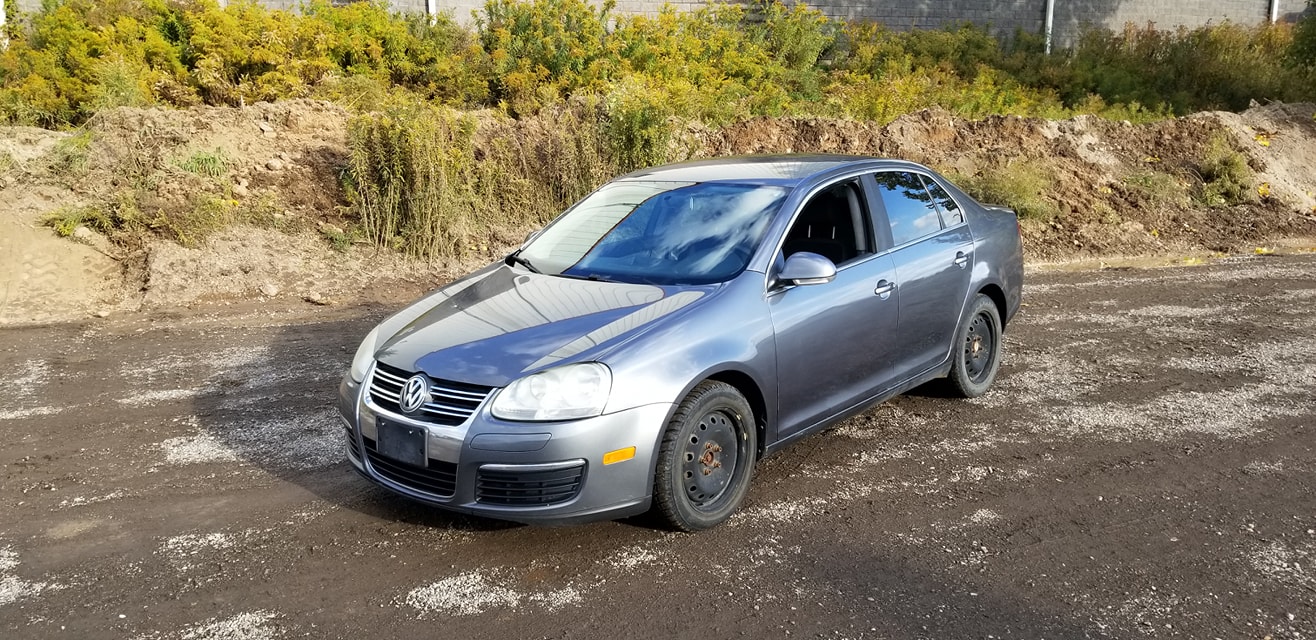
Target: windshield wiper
<point x="517" y="259"/>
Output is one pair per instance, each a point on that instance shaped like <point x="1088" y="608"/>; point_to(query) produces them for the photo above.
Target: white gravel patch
<point x="162" y="395"/>
<point x="30" y="374"/>
<point x="188" y="545"/>
<point x="1231" y="413"/>
<point x="1284" y="564"/>
<point x="79" y="501"/>
<point x="21" y="386"/>
<point x="1176" y="311"/>
<point x="252" y="625"/>
<point x="12" y="587"/>
<point x="19" y="414"/>
<point x="227" y="359"/>
<point x="782" y="511"/>
<point x="197" y="449"/>
<point x="299" y="441"/>
<point x="629" y="558"/>
<point x="984" y="516"/>
<point x="472" y="593"/>
<point x="1259" y="468"/>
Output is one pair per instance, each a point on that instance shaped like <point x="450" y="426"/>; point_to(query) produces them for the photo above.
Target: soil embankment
<point x="1115" y="189"/>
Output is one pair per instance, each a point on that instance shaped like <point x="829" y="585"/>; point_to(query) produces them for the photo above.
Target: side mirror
<point x="805" y="268"/>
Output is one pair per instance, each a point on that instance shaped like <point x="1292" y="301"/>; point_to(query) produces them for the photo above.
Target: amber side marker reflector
<point x="620" y="455"/>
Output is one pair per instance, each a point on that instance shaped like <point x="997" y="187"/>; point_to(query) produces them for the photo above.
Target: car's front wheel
<point x="977" y="353"/>
<point x="706" y="458"/>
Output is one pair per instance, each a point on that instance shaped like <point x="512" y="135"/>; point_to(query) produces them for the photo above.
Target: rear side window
<point x="909" y="207"/>
<point x="950" y="212"/>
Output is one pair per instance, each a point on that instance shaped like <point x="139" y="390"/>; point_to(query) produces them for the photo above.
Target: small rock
<point x="242" y="182"/>
<point x="81" y="232"/>
<point x="245" y="268"/>
<point x="330" y="229"/>
<point x="274" y="164"/>
<point x="103" y="313"/>
<point x="240" y="191"/>
<point x="314" y="297"/>
<point x="266" y="130"/>
<point x="269" y="290"/>
<point x="283" y="156"/>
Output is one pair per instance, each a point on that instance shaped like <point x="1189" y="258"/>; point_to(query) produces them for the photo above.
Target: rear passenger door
<point x="933" y="259"/>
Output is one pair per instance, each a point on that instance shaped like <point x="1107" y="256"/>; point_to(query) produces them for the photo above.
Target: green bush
<point x="416" y="182"/>
<point x="1226" y="177"/>
<point x="209" y="164"/>
<point x="1303" y="52"/>
<point x="542" y="50"/>
<point x="1022" y="186"/>
<point x="718" y="63"/>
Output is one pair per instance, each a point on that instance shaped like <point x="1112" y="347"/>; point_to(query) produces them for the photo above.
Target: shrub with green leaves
<point x="1226" y="177"/>
<point x="416" y="181"/>
<point x="209" y="164"/>
<point x="718" y="63"/>
<point x="1023" y="186"/>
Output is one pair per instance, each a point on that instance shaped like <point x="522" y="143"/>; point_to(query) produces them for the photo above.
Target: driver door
<point x="832" y="338"/>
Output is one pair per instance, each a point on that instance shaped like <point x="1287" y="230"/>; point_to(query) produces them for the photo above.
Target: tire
<point x="977" y="352"/>
<point x="706" y="459"/>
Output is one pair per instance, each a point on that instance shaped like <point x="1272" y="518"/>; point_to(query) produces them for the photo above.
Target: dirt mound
<point x="1120" y="189"/>
<point x="1113" y="189"/>
<point x="292" y="150"/>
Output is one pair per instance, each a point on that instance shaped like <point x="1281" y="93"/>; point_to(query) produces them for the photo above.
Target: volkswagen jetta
<point x="645" y="349"/>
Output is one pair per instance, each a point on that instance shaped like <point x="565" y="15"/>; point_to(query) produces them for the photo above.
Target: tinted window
<point x="950" y="212"/>
<point x="909" y="206"/>
<point x="658" y="232"/>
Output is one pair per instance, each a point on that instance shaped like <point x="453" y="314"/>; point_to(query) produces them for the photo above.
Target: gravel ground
<point x="1144" y="468"/>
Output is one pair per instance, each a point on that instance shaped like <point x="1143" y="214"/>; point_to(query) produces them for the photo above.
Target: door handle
<point x="884" y="289"/>
<point x="961" y="260"/>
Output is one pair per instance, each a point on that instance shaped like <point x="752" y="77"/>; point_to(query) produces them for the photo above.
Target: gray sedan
<point x="644" y="350"/>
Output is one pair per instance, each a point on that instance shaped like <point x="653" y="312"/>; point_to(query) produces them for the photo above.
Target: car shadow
<point x="272" y="403"/>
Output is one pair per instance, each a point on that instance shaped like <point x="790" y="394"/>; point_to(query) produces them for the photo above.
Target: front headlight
<point x="365" y="354"/>
<point x="561" y="393"/>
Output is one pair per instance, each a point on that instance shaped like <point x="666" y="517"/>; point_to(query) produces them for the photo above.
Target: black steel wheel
<point x="706" y="459"/>
<point x="977" y="354"/>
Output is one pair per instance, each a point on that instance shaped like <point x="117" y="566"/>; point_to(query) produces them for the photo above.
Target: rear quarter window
<point x="909" y="206"/>
<point x="951" y="213"/>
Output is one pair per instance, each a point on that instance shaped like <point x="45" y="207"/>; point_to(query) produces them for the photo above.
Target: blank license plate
<point x="402" y="442"/>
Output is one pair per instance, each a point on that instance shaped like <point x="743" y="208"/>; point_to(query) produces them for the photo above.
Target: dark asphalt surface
<point x="1144" y="468"/>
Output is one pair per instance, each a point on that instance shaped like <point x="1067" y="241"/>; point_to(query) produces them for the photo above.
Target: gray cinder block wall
<point x="1003" y="17"/>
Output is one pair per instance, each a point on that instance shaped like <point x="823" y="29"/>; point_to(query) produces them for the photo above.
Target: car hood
<point x="500" y="325"/>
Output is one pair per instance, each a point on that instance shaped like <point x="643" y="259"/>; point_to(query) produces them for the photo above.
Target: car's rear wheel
<point x="706" y="459"/>
<point x="977" y="354"/>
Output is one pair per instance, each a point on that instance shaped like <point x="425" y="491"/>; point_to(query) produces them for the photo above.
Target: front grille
<point x="453" y="402"/>
<point x="352" y="446"/>
<point x="529" y="488"/>
<point x="438" y="478"/>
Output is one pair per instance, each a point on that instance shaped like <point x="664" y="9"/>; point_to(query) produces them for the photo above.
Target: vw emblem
<point x="415" y="393"/>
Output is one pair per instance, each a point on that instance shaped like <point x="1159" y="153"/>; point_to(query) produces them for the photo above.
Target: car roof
<point x="784" y="169"/>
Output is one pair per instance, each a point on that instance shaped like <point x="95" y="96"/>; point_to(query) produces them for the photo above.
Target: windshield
<point x="657" y="232"/>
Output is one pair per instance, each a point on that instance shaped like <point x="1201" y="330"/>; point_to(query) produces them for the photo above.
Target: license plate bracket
<point x="401" y="442"/>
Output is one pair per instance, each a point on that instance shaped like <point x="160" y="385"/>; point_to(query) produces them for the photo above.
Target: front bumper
<point x="533" y="472"/>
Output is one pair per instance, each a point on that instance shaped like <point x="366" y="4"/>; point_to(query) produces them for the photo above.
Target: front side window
<point x="658" y="232"/>
<point x="909" y="207"/>
<point x="832" y="224"/>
